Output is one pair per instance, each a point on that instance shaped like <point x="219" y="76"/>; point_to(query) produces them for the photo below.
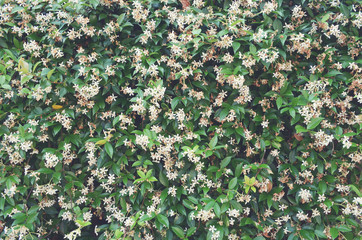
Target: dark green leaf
<point x="109" y="149"/>
<point x="308" y="235"/>
<point x="279" y="102"/>
<point x="191" y="231"/>
<point x="178" y="231"/>
<point x="314" y="122"/>
<point x="163" y="219"/>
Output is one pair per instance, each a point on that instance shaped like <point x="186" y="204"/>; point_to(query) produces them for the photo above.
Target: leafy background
<point x="180" y="119"/>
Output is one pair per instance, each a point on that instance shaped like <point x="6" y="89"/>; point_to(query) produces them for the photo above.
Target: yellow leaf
<point x="247" y="180"/>
<point x="57" y="107"/>
<point x="109" y="137"/>
<point x="101" y="142"/>
<point x="23" y="66"/>
<point x="252" y="181"/>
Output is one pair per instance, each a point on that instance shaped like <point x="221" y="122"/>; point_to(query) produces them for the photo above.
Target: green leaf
<point x="314" y="123"/>
<point x="94" y="3"/>
<point x="50" y="73"/>
<point x="56" y="177"/>
<point x="141" y="174"/>
<point x="252" y="48"/>
<point x="344" y="10"/>
<point x="217" y="210"/>
<point x="181" y="209"/>
<point x="334" y="233"/>
<point x="149" y="173"/>
<point x="163" y="179"/>
<point x="332" y="73"/>
<point x="196" y="31"/>
<point x="145" y="218"/>
<point x="109" y="149"/>
<point x="344" y="228"/>
<point x="278" y="25"/>
<point x="174" y="102"/>
<point x="45" y="170"/>
<point x="355" y="190"/>
<point x="238" y="169"/>
<point x="56" y="129"/>
<point x="279" y="102"/>
<point x="19" y="218"/>
<point x="187" y="204"/>
<point x="247" y="188"/>
<point x="210" y="205"/>
<point x="178" y="231"/>
<point x="213" y="142"/>
<point x="322" y="186"/>
<point x="163" y="219"/>
<point x="223" y="32"/>
<point x="101" y="142"/>
<point x="83" y="223"/>
<point x="236" y="46"/>
<point x="118" y="233"/>
<point x="259" y="238"/>
<point x="190" y="231"/>
<point x="233" y="183"/>
<point x="292" y="112"/>
<point x="300" y="129"/>
<point x="223" y="113"/>
<point x="309" y="235"/>
<point x="325" y="17"/>
<point x="225" y="162"/>
<point x="2" y="204"/>
<point x="152" y="179"/>
<point x="320" y="233"/>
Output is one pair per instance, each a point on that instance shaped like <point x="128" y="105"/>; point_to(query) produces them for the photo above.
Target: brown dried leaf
<point x="185" y="4"/>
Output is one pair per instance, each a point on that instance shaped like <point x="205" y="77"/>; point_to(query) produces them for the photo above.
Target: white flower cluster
<point x="142" y="140"/>
<point x="346" y="143"/>
<point x="138" y="106"/>
<point x="86" y="92"/>
<point x="32" y="47"/>
<point x="204" y="215"/>
<point x="56" y="52"/>
<point x="51" y="160"/>
<point x="157" y="93"/>
<point x="68" y="155"/>
<point x="90" y="148"/>
<point x="64" y="120"/>
<point x="305" y="195"/>
<point x="315" y="86"/>
<point x="260" y="35"/>
<point x="191" y="155"/>
<point x="268" y="55"/>
<point x="322" y="139"/>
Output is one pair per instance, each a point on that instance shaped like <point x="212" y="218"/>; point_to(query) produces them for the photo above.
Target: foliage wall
<point x="180" y="119"/>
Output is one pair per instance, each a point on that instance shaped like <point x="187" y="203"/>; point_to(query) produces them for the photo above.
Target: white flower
<point x="51" y="160"/>
<point x="274" y="153"/>
<point x="172" y="191"/>
<point x="142" y="140"/>
<point x="265" y="124"/>
<point x="321" y="198"/>
<point x="212" y="228"/>
<point x="305" y="195"/>
<point x="346" y="143"/>
<point x="357" y="200"/>
<point x="301" y="216"/>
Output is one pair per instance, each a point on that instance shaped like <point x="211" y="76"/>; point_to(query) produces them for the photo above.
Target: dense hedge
<point x="180" y="119"/>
